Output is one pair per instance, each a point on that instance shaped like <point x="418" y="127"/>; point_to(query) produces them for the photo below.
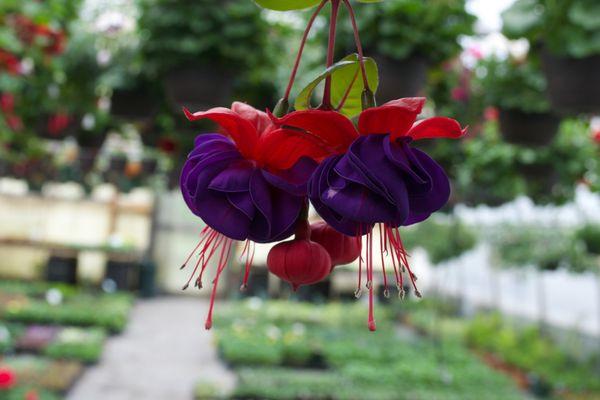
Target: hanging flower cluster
<point x="255" y="179"/>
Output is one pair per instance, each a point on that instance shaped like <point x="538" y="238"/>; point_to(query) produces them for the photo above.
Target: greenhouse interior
<point x="299" y="199"/>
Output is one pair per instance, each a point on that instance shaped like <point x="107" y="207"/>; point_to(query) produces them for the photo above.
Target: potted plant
<point x="408" y="36"/>
<point x="566" y="35"/>
<point x="517" y="88"/>
<point x="202" y="48"/>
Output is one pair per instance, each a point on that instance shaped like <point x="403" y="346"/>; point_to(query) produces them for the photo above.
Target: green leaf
<point x="586" y="14"/>
<point x="287" y="5"/>
<point x="370" y="1"/>
<point x="521" y="18"/>
<point x="346" y="85"/>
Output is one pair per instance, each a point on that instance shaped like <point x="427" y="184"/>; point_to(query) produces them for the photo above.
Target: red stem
<point x="335" y="6"/>
<point x="301" y="50"/>
<point x="359" y="48"/>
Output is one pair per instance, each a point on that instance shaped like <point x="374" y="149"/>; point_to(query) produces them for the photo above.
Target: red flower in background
<point x="58" y="123"/>
<point x="32" y="395"/>
<point x="167" y="145"/>
<point x="9" y="62"/>
<point x="52" y="40"/>
<point x="7" y="379"/>
<point x="14" y="122"/>
<point x="7" y="103"/>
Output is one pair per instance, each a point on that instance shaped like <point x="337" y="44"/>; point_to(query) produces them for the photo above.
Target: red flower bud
<point x="299" y="261"/>
<point x="342" y="249"/>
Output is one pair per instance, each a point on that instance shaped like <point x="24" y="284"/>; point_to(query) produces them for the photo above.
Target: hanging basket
<point x="573" y="83"/>
<point x="528" y="129"/>
<point x="403" y="78"/>
<point x="137" y="103"/>
<point x="198" y="86"/>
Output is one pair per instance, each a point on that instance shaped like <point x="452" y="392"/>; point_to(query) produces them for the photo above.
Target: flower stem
<point x="301" y="49"/>
<point x="335" y="6"/>
<point x="359" y="48"/>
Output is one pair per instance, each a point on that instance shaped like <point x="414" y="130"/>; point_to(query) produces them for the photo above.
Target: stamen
<point x="225" y="249"/>
<point x="372" y="326"/>
<point x="393" y="257"/>
<point x="216" y="245"/>
<point x="402" y="251"/>
<point x="210" y="237"/>
<point x="202" y="238"/>
<point x="358" y="291"/>
<point x="249" y="260"/>
<point x="385" y="283"/>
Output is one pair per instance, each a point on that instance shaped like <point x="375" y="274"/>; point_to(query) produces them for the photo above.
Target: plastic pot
<point x="573" y="83"/>
<point x="400" y="78"/>
<point x="528" y="129"/>
<point x="62" y="269"/>
<point x="198" y="87"/>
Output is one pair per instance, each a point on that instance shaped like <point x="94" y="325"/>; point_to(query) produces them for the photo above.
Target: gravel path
<point x="162" y="354"/>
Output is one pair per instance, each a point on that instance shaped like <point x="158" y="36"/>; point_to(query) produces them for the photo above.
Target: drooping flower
<point x="380" y="178"/>
<point x="249" y="183"/>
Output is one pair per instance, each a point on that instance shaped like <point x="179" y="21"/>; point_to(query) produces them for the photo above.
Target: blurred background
<point x="93" y="229"/>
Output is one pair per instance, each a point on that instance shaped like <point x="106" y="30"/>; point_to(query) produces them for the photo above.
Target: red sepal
<point x="436" y="127"/>
<point x="330" y="127"/>
<point x="242" y="131"/>
<point x="395" y="117"/>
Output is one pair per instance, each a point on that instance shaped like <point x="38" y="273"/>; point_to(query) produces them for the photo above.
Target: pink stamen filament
<point x="335" y="6"/>
<point x="358" y="291"/>
<point x="209" y="238"/>
<point x="217" y="244"/>
<point x="359" y="48"/>
<point x="401" y="253"/>
<point x="202" y="237"/>
<point x="249" y="260"/>
<point x="386" y="292"/>
<point x="225" y="249"/>
<point x="399" y="279"/>
<point x="370" y="285"/>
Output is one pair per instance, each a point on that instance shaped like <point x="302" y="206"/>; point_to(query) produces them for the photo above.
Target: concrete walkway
<point x="162" y="354"/>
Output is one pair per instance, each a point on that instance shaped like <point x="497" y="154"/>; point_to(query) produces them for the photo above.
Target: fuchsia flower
<point x="247" y="184"/>
<point x="378" y="178"/>
<point x="253" y="181"/>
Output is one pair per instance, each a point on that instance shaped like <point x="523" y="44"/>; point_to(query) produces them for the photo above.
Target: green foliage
<point x="589" y="235"/>
<point x="487" y="170"/>
<point x="567" y="28"/>
<point x="526" y="348"/>
<point x="8" y="335"/>
<point x="513" y="84"/>
<point x="108" y="311"/>
<point x="547" y="249"/>
<point x="400" y="29"/>
<point x="347" y="85"/>
<point x="358" y="364"/>
<point x="442" y="239"/>
<point x="220" y="34"/>
<point x="286" y="5"/>
<point x="77" y="344"/>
